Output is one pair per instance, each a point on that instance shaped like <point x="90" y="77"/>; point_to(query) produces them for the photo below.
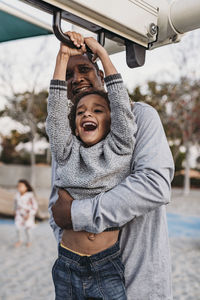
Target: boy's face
<point x="92" y="119"/>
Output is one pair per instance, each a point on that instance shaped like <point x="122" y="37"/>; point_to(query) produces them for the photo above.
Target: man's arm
<point x="147" y="188"/>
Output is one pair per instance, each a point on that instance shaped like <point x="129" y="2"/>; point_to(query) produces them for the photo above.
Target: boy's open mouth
<point x="89" y="126"/>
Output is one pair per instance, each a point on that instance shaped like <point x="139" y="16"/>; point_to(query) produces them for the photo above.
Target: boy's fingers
<point x="70" y="35"/>
<point x="76" y="38"/>
<point x="79" y="39"/>
<point x="83" y="47"/>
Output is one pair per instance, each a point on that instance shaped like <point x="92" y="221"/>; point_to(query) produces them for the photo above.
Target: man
<point x="137" y="204"/>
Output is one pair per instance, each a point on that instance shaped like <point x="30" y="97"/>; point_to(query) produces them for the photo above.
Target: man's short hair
<point x="75" y="101"/>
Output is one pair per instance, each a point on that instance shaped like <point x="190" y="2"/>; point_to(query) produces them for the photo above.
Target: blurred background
<point x="169" y="81"/>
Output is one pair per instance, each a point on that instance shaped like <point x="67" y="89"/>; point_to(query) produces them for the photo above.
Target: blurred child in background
<point x="25" y="210"/>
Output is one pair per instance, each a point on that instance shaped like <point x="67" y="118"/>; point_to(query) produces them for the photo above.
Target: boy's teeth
<point x="89" y="123"/>
<point x="89" y="126"/>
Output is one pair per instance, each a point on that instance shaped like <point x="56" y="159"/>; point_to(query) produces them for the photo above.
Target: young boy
<point x="92" y="161"/>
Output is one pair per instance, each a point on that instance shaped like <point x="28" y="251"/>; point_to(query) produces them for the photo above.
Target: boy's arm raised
<point x="57" y="126"/>
<point x="123" y="125"/>
<point x="101" y="52"/>
<point x="64" y="54"/>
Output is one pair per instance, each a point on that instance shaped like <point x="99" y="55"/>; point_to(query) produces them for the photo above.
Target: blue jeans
<point x="99" y="276"/>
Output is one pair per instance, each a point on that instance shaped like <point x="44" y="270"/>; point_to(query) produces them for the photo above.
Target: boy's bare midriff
<point x="89" y="243"/>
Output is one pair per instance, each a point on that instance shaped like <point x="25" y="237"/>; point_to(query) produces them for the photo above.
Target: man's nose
<point x="77" y="77"/>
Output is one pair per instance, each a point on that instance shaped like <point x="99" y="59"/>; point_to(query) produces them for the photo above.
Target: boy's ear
<point x="76" y="132"/>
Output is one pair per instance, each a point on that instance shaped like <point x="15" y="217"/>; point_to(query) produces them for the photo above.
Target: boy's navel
<point x="91" y="236"/>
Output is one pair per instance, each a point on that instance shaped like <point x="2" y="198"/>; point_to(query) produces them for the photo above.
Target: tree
<point x="29" y="106"/>
<point x="9" y="153"/>
<point x="30" y="109"/>
<point x="184" y="121"/>
<point x="186" y="56"/>
<point x="178" y="105"/>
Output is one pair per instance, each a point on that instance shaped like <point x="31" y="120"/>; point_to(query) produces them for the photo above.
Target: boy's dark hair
<point x="27" y="184"/>
<point x="77" y="98"/>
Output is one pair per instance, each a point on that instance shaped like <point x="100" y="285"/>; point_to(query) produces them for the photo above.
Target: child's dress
<point x="25" y="205"/>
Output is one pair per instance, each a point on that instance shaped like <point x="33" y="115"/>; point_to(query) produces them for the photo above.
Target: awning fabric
<point x="16" y="25"/>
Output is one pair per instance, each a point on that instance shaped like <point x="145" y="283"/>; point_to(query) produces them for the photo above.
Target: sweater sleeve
<point x="123" y="126"/>
<point x="145" y="189"/>
<point x="57" y="123"/>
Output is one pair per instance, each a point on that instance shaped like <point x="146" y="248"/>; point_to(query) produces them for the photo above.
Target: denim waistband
<point x="112" y="229"/>
<point x="113" y="251"/>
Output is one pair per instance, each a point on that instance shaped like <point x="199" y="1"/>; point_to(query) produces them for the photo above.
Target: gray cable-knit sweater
<point x="88" y="171"/>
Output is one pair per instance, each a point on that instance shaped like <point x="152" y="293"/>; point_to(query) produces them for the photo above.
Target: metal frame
<point x="135" y="53"/>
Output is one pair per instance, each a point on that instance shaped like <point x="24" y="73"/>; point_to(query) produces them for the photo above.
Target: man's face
<point x="92" y="119"/>
<point x="82" y="75"/>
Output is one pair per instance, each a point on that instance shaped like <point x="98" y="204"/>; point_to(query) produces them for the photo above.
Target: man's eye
<point x="84" y="69"/>
<point x="68" y="75"/>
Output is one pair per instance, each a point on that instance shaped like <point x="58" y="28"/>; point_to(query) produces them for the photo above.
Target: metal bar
<point x="58" y="31"/>
<point x="185" y="15"/>
<point x="135" y="54"/>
